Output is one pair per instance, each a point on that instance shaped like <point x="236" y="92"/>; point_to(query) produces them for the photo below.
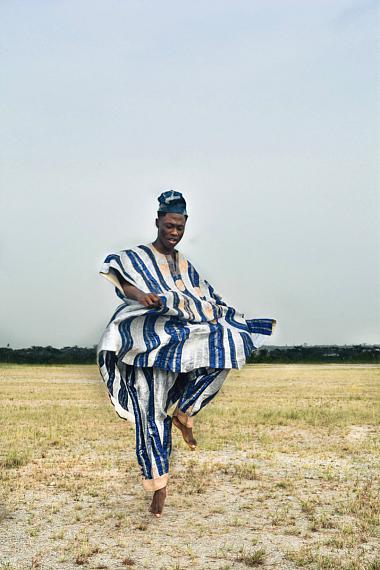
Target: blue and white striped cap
<point x="172" y="202"/>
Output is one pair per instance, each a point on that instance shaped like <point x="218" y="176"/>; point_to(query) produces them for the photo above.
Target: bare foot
<point x="158" y="501"/>
<point x="187" y="433"/>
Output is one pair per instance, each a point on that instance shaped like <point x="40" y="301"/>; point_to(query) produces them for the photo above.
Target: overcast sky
<point x="263" y="114"/>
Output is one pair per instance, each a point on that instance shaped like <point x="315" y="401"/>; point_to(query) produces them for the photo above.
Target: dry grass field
<point x="286" y="475"/>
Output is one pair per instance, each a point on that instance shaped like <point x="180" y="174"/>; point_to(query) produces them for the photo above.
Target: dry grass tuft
<point x="251" y="559"/>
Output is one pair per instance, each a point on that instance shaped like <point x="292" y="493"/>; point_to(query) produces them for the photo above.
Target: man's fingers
<point x="152" y="300"/>
<point x="155" y="299"/>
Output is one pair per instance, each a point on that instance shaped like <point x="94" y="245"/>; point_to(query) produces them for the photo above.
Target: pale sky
<point x="264" y="114"/>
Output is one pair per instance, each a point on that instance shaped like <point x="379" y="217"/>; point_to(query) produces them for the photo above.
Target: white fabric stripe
<point x="137" y="333"/>
<point x="163" y="382"/>
<point x="227" y="350"/>
<point x="125" y="414"/>
<point x="116" y="384"/>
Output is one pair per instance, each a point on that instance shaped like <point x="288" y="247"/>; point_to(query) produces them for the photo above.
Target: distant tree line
<point x="49" y="355"/>
<point x="361" y="353"/>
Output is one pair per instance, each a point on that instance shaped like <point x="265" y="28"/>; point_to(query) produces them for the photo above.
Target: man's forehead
<point x="174" y="219"/>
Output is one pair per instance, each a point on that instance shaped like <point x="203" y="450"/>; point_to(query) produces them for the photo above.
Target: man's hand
<point x="149" y="300"/>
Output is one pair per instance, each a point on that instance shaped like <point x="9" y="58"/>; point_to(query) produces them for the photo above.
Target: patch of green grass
<point x="374" y="565"/>
<point x="252" y="558"/>
<point x="14" y="459"/>
<point x="302" y="557"/>
<point x="365" y="504"/>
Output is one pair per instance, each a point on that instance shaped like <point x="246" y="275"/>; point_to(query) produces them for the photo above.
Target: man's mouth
<point x="172" y="240"/>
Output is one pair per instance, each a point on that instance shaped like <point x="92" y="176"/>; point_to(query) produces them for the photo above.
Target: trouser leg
<point x="148" y="389"/>
<point x="201" y="387"/>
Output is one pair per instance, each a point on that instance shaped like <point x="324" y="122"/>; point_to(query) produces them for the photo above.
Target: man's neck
<point x="162" y="249"/>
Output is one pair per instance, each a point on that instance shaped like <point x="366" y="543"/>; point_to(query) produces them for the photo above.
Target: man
<point x="171" y="342"/>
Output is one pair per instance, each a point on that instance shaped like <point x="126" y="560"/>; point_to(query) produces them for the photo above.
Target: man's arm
<point x="150" y="300"/>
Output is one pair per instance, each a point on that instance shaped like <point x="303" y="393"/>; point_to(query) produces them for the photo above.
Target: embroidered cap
<point x="172" y="202"/>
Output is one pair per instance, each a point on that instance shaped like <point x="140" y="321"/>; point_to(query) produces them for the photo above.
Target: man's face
<point x="171" y="228"/>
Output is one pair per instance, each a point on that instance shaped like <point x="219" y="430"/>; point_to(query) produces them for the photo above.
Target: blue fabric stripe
<point x="234" y="363"/>
<point x="110" y="366"/>
<point x="193" y="275"/>
<point x="154" y="436"/>
<point x="126" y="336"/>
<point x="120" y="294"/>
<point x="219" y="340"/>
<point x="248" y="344"/>
<point x="215" y="344"/>
<point x="101" y="358"/>
<point x="141" y="444"/>
<point x="214" y="295"/>
<point x="151" y="339"/>
<point x="149" y="252"/>
<point x="176" y="390"/>
<point x="141" y="268"/>
<point x="231" y="321"/>
<point x="176" y="304"/>
<point x="118" y="310"/>
<point x="195" y="389"/>
<point x="183" y="334"/>
<point x="123" y="393"/>
<point x="165" y="356"/>
<point x="167" y="441"/>
<point x="261" y="326"/>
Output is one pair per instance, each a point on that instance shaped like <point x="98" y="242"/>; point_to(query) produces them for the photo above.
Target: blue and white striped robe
<point x="193" y="329"/>
<point x="143" y="351"/>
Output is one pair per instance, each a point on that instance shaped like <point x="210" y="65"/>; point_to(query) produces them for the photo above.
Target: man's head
<point x="171" y="219"/>
<point x="171" y="228"/>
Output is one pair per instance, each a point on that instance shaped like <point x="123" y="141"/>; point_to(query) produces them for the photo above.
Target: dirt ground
<point x="286" y="475"/>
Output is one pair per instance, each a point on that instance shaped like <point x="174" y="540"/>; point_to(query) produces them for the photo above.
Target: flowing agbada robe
<point x="193" y="329"/>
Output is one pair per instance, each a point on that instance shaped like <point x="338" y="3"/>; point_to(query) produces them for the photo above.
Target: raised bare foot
<point x="187" y="433"/>
<point x="158" y="501"/>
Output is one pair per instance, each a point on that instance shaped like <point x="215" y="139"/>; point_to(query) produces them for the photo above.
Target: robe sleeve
<point x="261" y="326"/>
<point x="114" y="266"/>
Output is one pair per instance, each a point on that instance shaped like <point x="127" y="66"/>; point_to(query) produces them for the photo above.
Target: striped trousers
<point x="152" y="391"/>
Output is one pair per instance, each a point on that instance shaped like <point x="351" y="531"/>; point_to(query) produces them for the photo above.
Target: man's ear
<point x="156" y="222"/>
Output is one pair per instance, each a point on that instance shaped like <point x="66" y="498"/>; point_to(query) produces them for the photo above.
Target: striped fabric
<point x="149" y="393"/>
<point x="193" y="329"/>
